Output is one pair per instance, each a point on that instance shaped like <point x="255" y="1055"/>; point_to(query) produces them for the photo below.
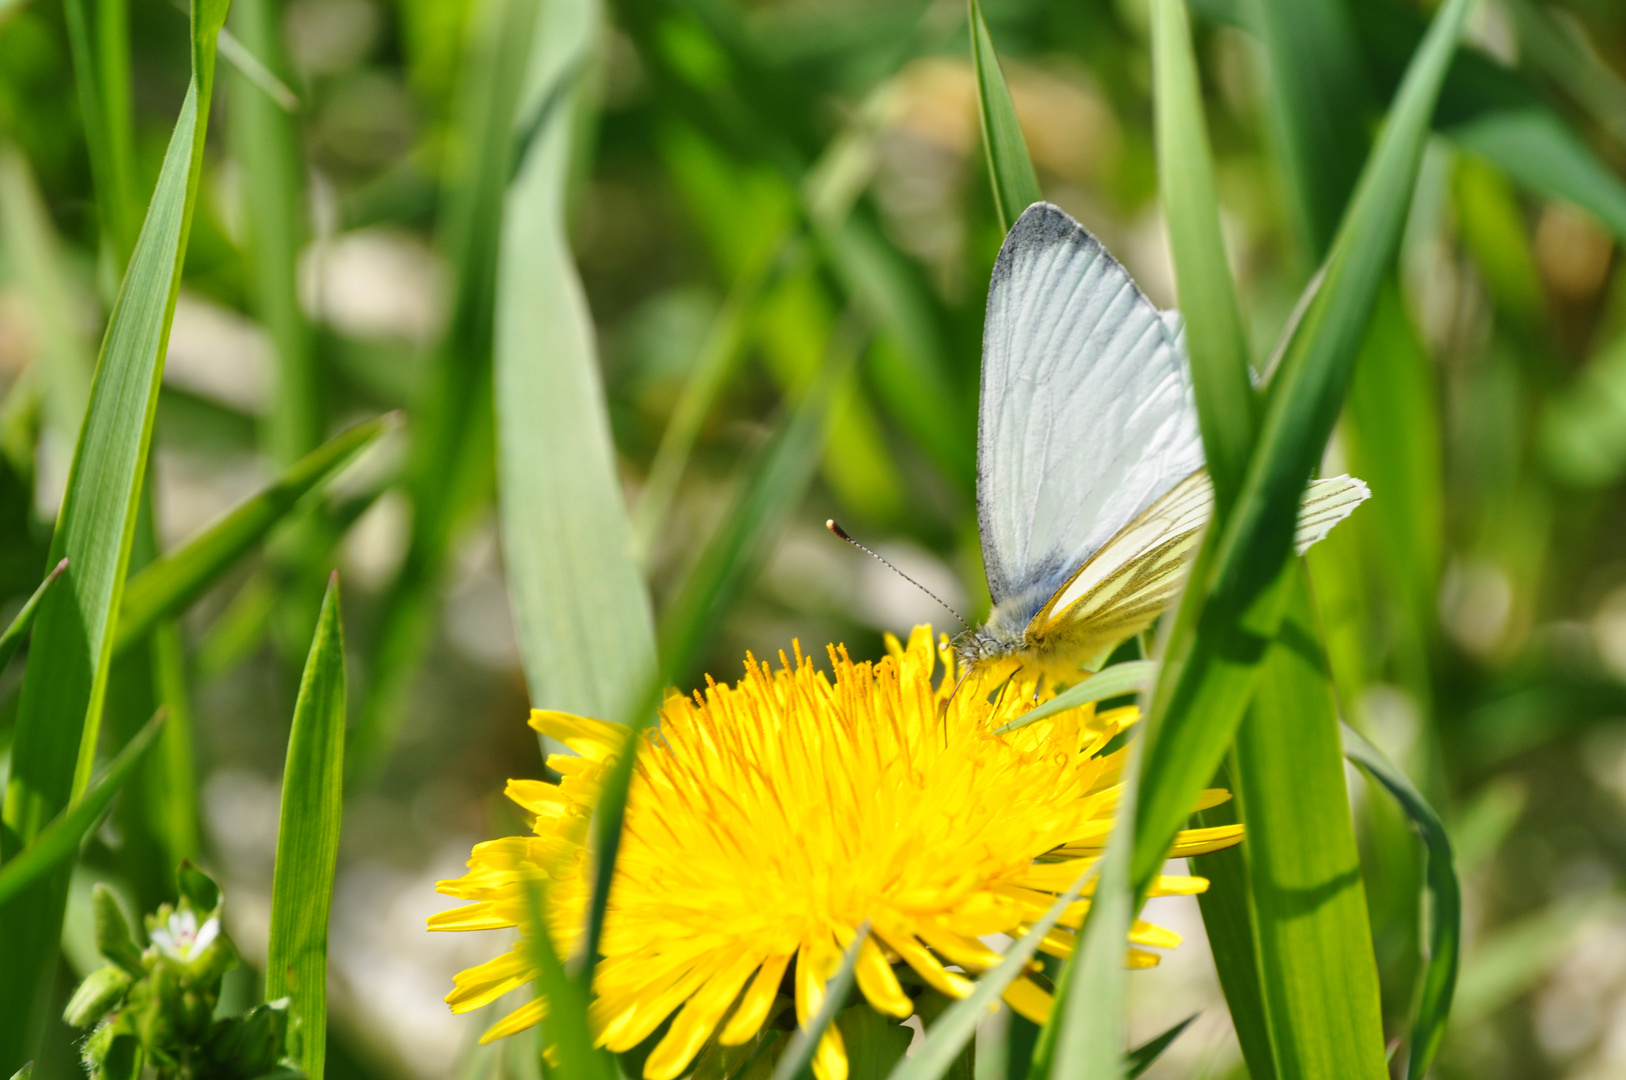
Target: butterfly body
<point x="1091" y="487"/>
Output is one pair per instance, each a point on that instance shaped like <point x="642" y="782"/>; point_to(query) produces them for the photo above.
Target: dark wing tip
<point x="1041" y="225"/>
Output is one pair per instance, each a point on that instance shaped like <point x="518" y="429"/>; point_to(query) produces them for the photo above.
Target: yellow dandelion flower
<point x="767" y="820"/>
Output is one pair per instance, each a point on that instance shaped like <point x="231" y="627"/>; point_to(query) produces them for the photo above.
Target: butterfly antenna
<point x="842" y="533"/>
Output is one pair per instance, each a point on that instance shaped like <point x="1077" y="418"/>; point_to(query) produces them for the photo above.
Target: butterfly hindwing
<point x="1140" y="571"/>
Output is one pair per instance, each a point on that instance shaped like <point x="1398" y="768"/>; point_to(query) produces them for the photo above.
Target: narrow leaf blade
<point x="165" y="587"/>
<point x="60" y="840"/>
<point x="1445" y="901"/>
<point x="12" y="639"/>
<point x="308" y="837"/>
<point x="958" y="1023"/>
<point x="1016" y="184"/>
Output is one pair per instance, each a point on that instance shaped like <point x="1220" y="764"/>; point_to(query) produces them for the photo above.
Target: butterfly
<point x="1091" y="486"/>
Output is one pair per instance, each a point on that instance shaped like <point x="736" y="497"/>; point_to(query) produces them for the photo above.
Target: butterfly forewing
<point x="1087" y="414"/>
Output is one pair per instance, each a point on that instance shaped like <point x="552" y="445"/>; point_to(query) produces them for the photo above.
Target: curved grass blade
<point x="60" y="840"/>
<point x="12" y="639"/>
<point x="1129" y="677"/>
<point x="59" y="712"/>
<point x="1016" y="185"/>
<point x="167" y="585"/>
<point x="1235" y="601"/>
<point x="581" y="609"/>
<point x="1214" y="334"/>
<point x="797" y="1059"/>
<point x="308" y="838"/>
<point x="958" y="1023"/>
<point x="1444" y="902"/>
<point x="1141" y="1057"/>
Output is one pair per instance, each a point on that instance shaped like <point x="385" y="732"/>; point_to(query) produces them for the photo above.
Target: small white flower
<point x="182" y="939"/>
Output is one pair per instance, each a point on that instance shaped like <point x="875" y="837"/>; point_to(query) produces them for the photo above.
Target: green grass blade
<point x="958" y="1023"/>
<point x="1234" y="603"/>
<point x="797" y="1060"/>
<point x="1316" y="962"/>
<point x="99" y="36"/>
<point x="265" y="141"/>
<point x="1016" y="185"/>
<point x="1538" y="151"/>
<point x="166" y="586"/>
<point x="1214" y="334"/>
<point x="59" y="841"/>
<point x="308" y="838"/>
<point x="1317" y="97"/>
<point x="12" y="639"/>
<point x="1086" y="1032"/>
<point x="59" y="712"/>
<point x="580" y="605"/>
<point x="1143" y="1056"/>
<point x="1232" y="931"/>
<point x="1130" y="677"/>
<point x="1444" y="901"/>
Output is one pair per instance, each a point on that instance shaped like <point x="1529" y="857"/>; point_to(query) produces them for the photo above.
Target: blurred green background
<point x="759" y="188"/>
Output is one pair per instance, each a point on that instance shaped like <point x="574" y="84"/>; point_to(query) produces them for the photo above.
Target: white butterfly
<point x="1091" y="486"/>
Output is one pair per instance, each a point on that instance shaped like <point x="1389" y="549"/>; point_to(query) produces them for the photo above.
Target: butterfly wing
<point x="1087" y="413"/>
<point x="1139" y="572"/>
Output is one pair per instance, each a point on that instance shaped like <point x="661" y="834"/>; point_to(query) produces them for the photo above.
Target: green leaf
<point x="1086" y="1032"/>
<point x="1444" y="901"/>
<point x="165" y="587"/>
<point x="1538" y="151"/>
<point x="1130" y="677"/>
<point x="59" y="841"/>
<point x="1235" y="598"/>
<point x="797" y="1060"/>
<point x="1214" y="334"/>
<point x="1143" y="1056"/>
<point x="958" y="1023"/>
<point x="580" y="606"/>
<point x="1317" y="968"/>
<point x="1010" y="169"/>
<point x="308" y="838"/>
<point x="12" y="639"/>
<point x="59" y="711"/>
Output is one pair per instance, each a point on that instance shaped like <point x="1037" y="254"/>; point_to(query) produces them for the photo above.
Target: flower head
<point x="769" y="819"/>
